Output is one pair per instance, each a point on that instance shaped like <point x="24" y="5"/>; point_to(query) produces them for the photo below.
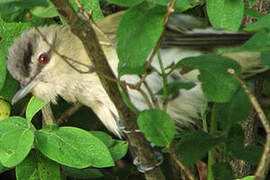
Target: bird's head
<point x="37" y="66"/>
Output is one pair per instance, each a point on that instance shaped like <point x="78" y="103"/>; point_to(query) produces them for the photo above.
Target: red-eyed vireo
<point x="42" y="72"/>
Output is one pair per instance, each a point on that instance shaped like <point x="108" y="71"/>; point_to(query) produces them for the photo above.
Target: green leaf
<point x="174" y="87"/>
<point x="230" y="113"/>
<point x="16" y="140"/>
<point x="73" y="147"/>
<point x="119" y="149"/>
<point x="262" y="24"/>
<point x="235" y="140"/>
<point x="9" y="88"/>
<point x="265" y="57"/>
<point x="180" y="6"/>
<point x="217" y="84"/>
<point x="157" y="126"/>
<point x="33" y="107"/>
<point x="225" y="14"/>
<point x="253" y="13"/>
<point x="87" y="173"/>
<point x="194" y="145"/>
<point x="247" y="178"/>
<point x="37" y="166"/>
<point x="127" y="3"/>
<point x="45" y="12"/>
<point x="105" y="138"/>
<point x="138" y="32"/>
<point x="89" y="5"/>
<point x="12" y="6"/>
<point x="260" y="42"/>
<point x="222" y="171"/>
<point x="3" y="168"/>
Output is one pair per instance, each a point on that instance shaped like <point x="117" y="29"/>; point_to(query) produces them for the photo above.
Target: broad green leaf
<point x="222" y="171"/>
<point x="225" y="14"/>
<point x="217" y="84"/>
<point x="37" y="167"/>
<point x="174" y="87"/>
<point x="87" y="173"/>
<point x="45" y="12"/>
<point x="157" y="126"/>
<point x="247" y="178"/>
<point x="194" y="145"/>
<point x="119" y="149"/>
<point x="14" y="123"/>
<point x="234" y="111"/>
<point x="15" y="145"/>
<point x="138" y="32"/>
<point x="11" y="6"/>
<point x="127" y="3"/>
<point x="33" y="107"/>
<point x="73" y="147"/>
<point x="262" y="24"/>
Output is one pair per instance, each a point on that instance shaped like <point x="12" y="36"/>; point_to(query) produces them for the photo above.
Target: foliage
<point x="36" y="151"/>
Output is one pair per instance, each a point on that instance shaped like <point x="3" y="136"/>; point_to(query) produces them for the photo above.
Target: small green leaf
<point x="157" y="126"/>
<point x="138" y="32"/>
<point x="73" y="147"/>
<point x="224" y="169"/>
<point x="33" y="107"/>
<point x="230" y="113"/>
<point x="260" y="42"/>
<point x="45" y="12"/>
<point x="9" y="88"/>
<point x="253" y="13"/>
<point x="37" y="166"/>
<point x="119" y="149"/>
<point x="174" y="87"/>
<point x="15" y="144"/>
<point x="87" y="173"/>
<point x="235" y="140"/>
<point x="193" y="146"/>
<point x="262" y="24"/>
<point x="217" y="84"/>
<point x="225" y="14"/>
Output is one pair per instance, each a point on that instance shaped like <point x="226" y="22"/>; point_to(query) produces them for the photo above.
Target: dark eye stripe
<point x="27" y="58"/>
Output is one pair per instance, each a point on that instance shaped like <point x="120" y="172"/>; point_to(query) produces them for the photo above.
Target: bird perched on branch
<point x="36" y="61"/>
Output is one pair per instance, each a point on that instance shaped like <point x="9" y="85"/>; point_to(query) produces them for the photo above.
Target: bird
<point x="41" y="71"/>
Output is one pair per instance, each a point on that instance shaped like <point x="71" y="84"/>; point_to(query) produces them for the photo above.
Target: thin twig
<point x="264" y="163"/>
<point x="153" y="98"/>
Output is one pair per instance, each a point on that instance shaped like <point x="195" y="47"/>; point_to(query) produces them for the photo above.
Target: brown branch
<point x="84" y="31"/>
<point x="264" y="163"/>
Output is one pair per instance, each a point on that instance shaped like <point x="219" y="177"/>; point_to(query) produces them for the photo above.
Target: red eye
<point x="44" y="58"/>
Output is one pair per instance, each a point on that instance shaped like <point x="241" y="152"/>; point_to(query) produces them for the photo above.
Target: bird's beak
<point x="23" y="91"/>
